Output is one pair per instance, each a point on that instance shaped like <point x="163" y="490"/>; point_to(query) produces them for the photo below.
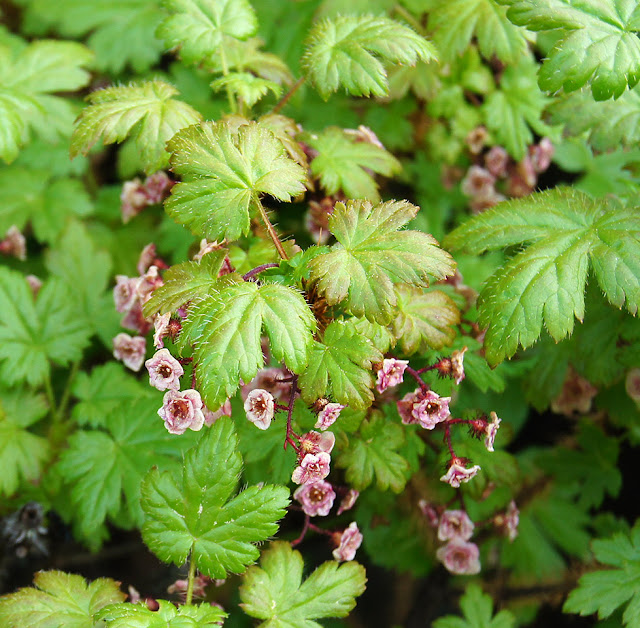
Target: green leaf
<point x="145" y="112"/>
<point x="340" y="367"/>
<point x="350" y="52"/>
<point x="275" y="592"/>
<point x="33" y="334"/>
<point x="22" y="454"/>
<point x="345" y="164"/>
<point x="201" y="28"/>
<point x="544" y="284"/>
<point x="186" y="282"/>
<point x="246" y="87"/>
<point x="27" y="78"/>
<point x="477" y="609"/>
<point x="58" y="599"/>
<point x="606" y="590"/>
<point x="167" y="616"/>
<point x="379" y="335"/>
<point x="372" y="254"/>
<point x="425" y="320"/>
<point x="456" y="22"/>
<point x="195" y="514"/>
<point x="226" y="329"/>
<point x="224" y="173"/>
<point x="598" y="44"/>
<point x="516" y="108"/>
<point x="372" y="455"/>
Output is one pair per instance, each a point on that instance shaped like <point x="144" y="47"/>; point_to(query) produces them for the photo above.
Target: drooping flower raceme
<point x="316" y="498"/>
<point x="348" y="542"/>
<point x="260" y="406"/>
<point x="130" y="351"/>
<point x="391" y="373"/>
<point x="460" y="557"/>
<point x="164" y="370"/>
<point x="182" y="410"/>
<point x="455" y="524"/>
<point x="457" y="472"/>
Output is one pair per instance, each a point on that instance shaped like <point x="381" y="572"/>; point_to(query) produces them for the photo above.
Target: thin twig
<point x="285" y="99"/>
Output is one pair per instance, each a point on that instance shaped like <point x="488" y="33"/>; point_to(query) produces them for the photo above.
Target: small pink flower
<point x="455" y="524"/>
<point x="164" y="370"/>
<point x="522" y="178"/>
<point x="259" y="406"/>
<point x="146" y="259"/>
<point x="478" y="182"/>
<point x="313" y="467"/>
<point x="316" y="498"/>
<point x="405" y="407"/>
<point x="161" y="327"/>
<point x="328" y="415"/>
<point x="271" y="380"/>
<point x="460" y="557"/>
<point x="576" y="395"/>
<point x="134" y="319"/>
<point x="181" y="411"/>
<point x="348" y="542"/>
<point x="35" y="283"/>
<point x="348" y="501"/>
<point x="148" y="283"/>
<point x="457" y="365"/>
<point x="156" y="187"/>
<point x="363" y="134"/>
<point x="125" y="292"/>
<point x="391" y="373"/>
<point x="458" y="473"/>
<point x="430" y="512"/>
<point x="211" y="417"/>
<point x="491" y="430"/>
<point x="431" y="409"/>
<point x="496" y="161"/>
<point x="632" y="384"/>
<point x="133" y="199"/>
<point x="14" y="244"/>
<point x="541" y="154"/>
<point x="130" y="350"/>
<point x="511" y="521"/>
<point x="200" y="583"/>
<point x="476" y="139"/>
<point x="315" y="442"/>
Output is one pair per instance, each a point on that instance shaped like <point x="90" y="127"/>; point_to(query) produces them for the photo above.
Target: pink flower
<point x="457" y="365"/>
<point x="259" y="406"/>
<point x="541" y="154"/>
<point x="458" y="473"/>
<point x="14" y="244"/>
<point x="455" y="524"/>
<point x="156" y="187"/>
<point x="348" y="542"/>
<point x="125" y="292"/>
<point x="509" y="521"/>
<point x="147" y="257"/>
<point x="200" y="583"/>
<point x="478" y="182"/>
<point x="491" y="430"/>
<point x="460" y="557"/>
<point x="430" y="512"/>
<point x="424" y="407"/>
<point x="271" y="380"/>
<point x="496" y="161"/>
<point x="315" y="442"/>
<point x="313" y="467"/>
<point x="35" y="283"/>
<point x="576" y="395"/>
<point x="328" y="415"/>
<point x="164" y="370"/>
<point x="148" y="283"/>
<point x="133" y="199"/>
<point x="135" y="320"/>
<point x="316" y="498"/>
<point x="211" y="417"/>
<point x="130" y="350"/>
<point x="161" y="327"/>
<point x="476" y="139"/>
<point x="391" y="373"/>
<point x="632" y="384"/>
<point x="181" y="411"/>
<point x="348" y="501"/>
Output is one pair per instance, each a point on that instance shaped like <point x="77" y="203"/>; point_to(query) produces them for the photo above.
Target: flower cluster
<point x="137" y="195"/>
<point x="313" y="457"/>
<point x="459" y="556"/>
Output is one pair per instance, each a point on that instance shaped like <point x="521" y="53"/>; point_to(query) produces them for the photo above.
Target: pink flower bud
<point x="259" y="406"/>
<point x="457" y="365"/>
<point x="211" y="417"/>
<point x="458" y="473"/>
<point x="328" y="415"/>
<point x="164" y="371"/>
<point x="391" y="373"/>
<point x="316" y="498"/>
<point x="130" y="350"/>
<point x="496" y="161"/>
<point x="125" y="292"/>
<point x="348" y="501"/>
<point x="14" y="244"/>
<point x="512" y="520"/>
<point x="35" y="283"/>
<point x="491" y="430"/>
<point x="348" y="542"/>
<point x="181" y="411"/>
<point x="146" y="259"/>
<point x="460" y="557"/>
<point x="455" y="524"/>
<point x="161" y="327"/>
<point x="313" y="467"/>
<point x="430" y="512"/>
<point x="133" y="199"/>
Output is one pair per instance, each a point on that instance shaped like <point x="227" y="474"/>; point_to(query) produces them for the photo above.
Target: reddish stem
<point x="447" y="437"/>
<point x="416" y="375"/>
<point x="292" y="398"/>
<point x="257" y="270"/>
<point x="307" y="522"/>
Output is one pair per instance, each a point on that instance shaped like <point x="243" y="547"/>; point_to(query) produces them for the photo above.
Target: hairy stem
<point x="416" y="375"/>
<point x="292" y="398"/>
<point x="272" y="232"/>
<point x="285" y="99"/>
<point x="307" y="521"/>
<point x="257" y="270"/>
<point x="191" y="578"/>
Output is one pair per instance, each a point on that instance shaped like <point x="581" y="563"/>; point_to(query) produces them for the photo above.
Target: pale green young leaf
<point x="424" y="320"/>
<point x="127" y="615"/>
<point x="27" y="78"/>
<point x="379" y="335"/>
<point x="22" y="454"/>
<point x="196" y="514"/>
<point x="186" y="282"/>
<point x="516" y="108"/>
<point x="562" y="230"/>
<point x="341" y="367"/>
<point x="58" y="599"/>
<point x="33" y="334"/>
<point x="224" y="172"/>
<point x="275" y="592"/>
<point x="30" y="195"/>
<point x="456" y="22"/>
<point x="227" y="329"/>
<point x="605" y="590"/>
<point x="372" y="456"/>
<point x="351" y="52"/>
<point x="477" y="609"/>
<point x="598" y="46"/>
<point x="372" y="254"/>
<point x="146" y="112"/>
<point x="345" y="164"/>
<point x="202" y="28"/>
<point x="246" y="87"/>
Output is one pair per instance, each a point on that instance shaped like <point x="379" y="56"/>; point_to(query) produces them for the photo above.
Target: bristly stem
<point x="192" y="577"/>
<point x="292" y="399"/>
<point x="272" y="232"/>
<point x="285" y="99"/>
<point x="416" y="375"/>
<point x="307" y="521"/>
<point x="257" y="270"/>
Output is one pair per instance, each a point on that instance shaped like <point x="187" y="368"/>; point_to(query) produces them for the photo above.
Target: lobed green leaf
<point x="126" y="615"/>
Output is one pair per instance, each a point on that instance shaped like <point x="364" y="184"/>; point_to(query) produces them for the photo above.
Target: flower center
<point x="316" y="495"/>
<point x="180" y="408"/>
<point x="165" y="370"/>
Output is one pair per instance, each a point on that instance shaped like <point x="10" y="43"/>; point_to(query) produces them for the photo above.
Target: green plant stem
<point x="225" y="72"/>
<point x="407" y="17"/>
<point x="285" y="99"/>
<point x="51" y="398"/>
<point x="191" y="578"/>
<point x="64" y="401"/>
<point x="272" y="232"/>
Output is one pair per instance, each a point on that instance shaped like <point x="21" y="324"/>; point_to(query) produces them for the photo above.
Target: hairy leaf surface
<point x="127" y="615"/>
